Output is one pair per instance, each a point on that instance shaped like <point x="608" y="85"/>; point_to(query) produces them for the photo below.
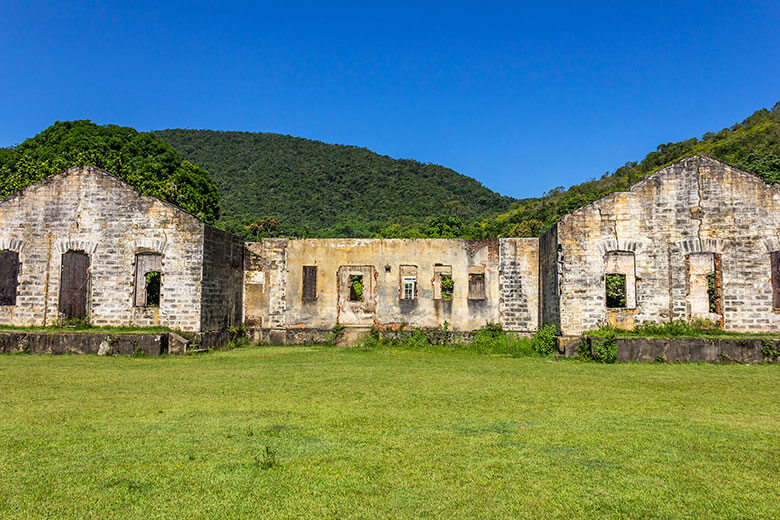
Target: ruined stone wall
<point x="519" y="283"/>
<point x="697" y="205"/>
<point x="265" y="283"/>
<point x="549" y="279"/>
<point x="88" y="210"/>
<point x="223" y="278"/>
<point x="274" y="278"/>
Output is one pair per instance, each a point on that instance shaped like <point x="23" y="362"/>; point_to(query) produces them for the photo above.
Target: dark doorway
<point x="9" y="274"/>
<point x="74" y="280"/>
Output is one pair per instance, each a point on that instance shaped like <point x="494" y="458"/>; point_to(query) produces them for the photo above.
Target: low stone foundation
<point x="708" y="350"/>
<point x="289" y="336"/>
<point x="350" y="335"/>
<point x="83" y="343"/>
<point x="109" y="344"/>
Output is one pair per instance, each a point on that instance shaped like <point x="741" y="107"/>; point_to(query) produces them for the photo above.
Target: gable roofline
<point x="698" y="160"/>
<point x="94" y="170"/>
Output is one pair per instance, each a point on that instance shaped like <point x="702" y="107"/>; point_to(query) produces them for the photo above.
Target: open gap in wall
<point x="704" y="286"/>
<point x="615" y="284"/>
<point x="408" y="288"/>
<point x="148" y="279"/>
<point x="356" y="287"/>
<point x="153" y="281"/>
<point x="620" y="280"/>
<point x="712" y="293"/>
<point x="447" y="287"/>
<point x="775" y="264"/>
<point x="9" y="274"/>
<point x="443" y="285"/>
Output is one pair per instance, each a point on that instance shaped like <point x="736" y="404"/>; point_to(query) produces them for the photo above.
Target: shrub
<point x="334" y="335"/>
<point x="545" y="340"/>
<point x="674" y="328"/>
<point x="371" y="340"/>
<point x="492" y="339"/>
<point x="604" y="349"/>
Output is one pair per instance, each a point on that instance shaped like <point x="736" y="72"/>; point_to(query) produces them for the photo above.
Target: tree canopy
<point x="277" y="185"/>
<point x="314" y="189"/>
<point x="752" y="145"/>
<point x="139" y="158"/>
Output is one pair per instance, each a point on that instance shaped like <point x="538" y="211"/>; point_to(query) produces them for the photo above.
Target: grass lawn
<point x="388" y="433"/>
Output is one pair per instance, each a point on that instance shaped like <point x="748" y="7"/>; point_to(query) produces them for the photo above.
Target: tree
<point x="264" y="227"/>
<point x="140" y="159"/>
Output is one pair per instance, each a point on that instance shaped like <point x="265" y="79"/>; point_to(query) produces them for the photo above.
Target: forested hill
<point x="273" y="184"/>
<point x="752" y="145"/>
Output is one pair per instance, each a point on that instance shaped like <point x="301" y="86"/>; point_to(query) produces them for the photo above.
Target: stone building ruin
<point x="696" y="239"/>
<point x="84" y="245"/>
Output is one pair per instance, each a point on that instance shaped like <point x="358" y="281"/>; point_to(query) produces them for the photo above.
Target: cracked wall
<point x="89" y="210"/>
<point x="697" y="205"/>
<point x="510" y="268"/>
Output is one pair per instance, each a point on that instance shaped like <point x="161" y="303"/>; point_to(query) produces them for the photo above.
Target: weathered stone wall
<point x="265" y="283"/>
<point x="519" y="283"/>
<point x="549" y="279"/>
<point x="274" y="283"/>
<point x="83" y="343"/>
<point x="696" y="350"/>
<point x="88" y="210"/>
<point x="223" y="278"/>
<point x="697" y="205"/>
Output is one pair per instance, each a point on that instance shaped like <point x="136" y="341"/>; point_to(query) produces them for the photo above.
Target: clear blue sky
<point x="522" y="97"/>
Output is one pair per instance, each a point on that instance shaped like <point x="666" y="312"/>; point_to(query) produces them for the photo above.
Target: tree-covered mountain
<point x="139" y="158"/>
<point x="752" y="145"/>
<point x="276" y="184"/>
<point x="272" y="185"/>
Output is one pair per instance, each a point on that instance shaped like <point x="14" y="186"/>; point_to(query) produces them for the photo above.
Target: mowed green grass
<point x="388" y="433"/>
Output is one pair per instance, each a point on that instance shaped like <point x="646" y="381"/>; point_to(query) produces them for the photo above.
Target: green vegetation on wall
<point x="141" y="159"/>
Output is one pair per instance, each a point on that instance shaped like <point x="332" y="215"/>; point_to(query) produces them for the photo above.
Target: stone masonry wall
<point x="88" y="210"/>
<point x="274" y="280"/>
<point x="223" y="278"/>
<point x="265" y="283"/>
<point x="549" y="282"/>
<point x="519" y="283"/>
<point x="697" y="205"/>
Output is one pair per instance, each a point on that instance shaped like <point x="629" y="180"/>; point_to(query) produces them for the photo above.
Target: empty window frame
<point x="9" y="275"/>
<point x="615" y="285"/>
<point x="775" y="261"/>
<point x="408" y="289"/>
<point x="148" y="279"/>
<point x="620" y="280"/>
<point x="356" y="287"/>
<point x="704" y="284"/>
<point x="309" y="292"/>
<point x="443" y="285"/>
<point x="476" y="283"/>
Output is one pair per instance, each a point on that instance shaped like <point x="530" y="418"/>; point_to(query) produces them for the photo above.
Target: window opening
<point x="356" y="287"/>
<point x="615" y="290"/>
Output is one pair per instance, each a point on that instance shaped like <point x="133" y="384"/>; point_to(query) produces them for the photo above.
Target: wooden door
<point x="74" y="282"/>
